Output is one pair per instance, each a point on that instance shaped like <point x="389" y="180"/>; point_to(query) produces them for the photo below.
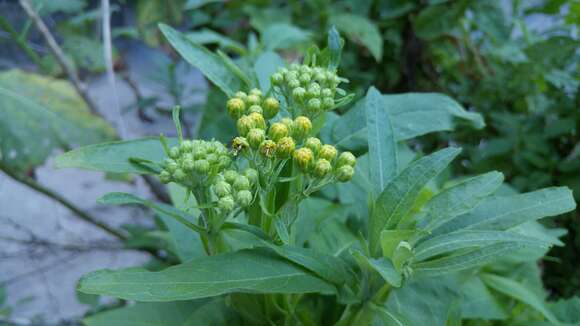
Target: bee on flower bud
<point x="240" y="144"/>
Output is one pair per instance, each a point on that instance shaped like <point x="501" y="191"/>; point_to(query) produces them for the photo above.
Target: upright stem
<point x="58" y="54"/>
<point x="55" y="196"/>
<point x="5" y="25"/>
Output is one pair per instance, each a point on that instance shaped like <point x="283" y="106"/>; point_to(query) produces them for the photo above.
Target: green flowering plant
<point x="284" y="226"/>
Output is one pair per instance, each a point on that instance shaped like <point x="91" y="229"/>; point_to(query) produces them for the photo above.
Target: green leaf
<point x="114" y="156"/>
<point x="207" y="36"/>
<point x="266" y="65"/>
<point x="334" y="47"/>
<point x="187" y="244"/>
<point x="390" y="239"/>
<point x="438" y="20"/>
<point x="201" y="58"/>
<point x="39" y="114"/>
<point x="120" y="198"/>
<point x="361" y="30"/>
<point x="502" y="213"/>
<point x="381" y="141"/>
<point x="412" y="115"/>
<point x="519" y="292"/>
<point x="383" y="266"/>
<point x="184" y="313"/>
<point x="397" y="200"/>
<point x="467" y="260"/>
<point x="459" y="199"/>
<point x="479" y="303"/>
<point x="245" y="271"/>
<point x="470" y="239"/>
<point x="284" y="36"/>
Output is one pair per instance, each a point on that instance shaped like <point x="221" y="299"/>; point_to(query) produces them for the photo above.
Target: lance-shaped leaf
<point x="466" y="260"/>
<point x="115" y="156"/>
<point x="245" y="271"/>
<point x="201" y="58"/>
<point x="459" y="199"/>
<point x="362" y="30"/>
<point x="519" y="292"/>
<point x="383" y="266"/>
<point x="470" y="239"/>
<point x="502" y="213"/>
<point x="398" y="198"/>
<point x="186" y="313"/>
<point x="381" y="141"/>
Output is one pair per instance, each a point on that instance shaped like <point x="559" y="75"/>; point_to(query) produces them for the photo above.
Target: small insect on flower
<point x="240" y="144"/>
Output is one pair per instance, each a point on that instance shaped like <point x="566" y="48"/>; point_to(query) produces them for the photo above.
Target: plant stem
<point x="55" y="196"/>
<point x="5" y="25"/>
<point x="59" y="55"/>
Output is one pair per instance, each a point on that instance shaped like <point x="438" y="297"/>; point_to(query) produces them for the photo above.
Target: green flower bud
<point x="257" y="120"/>
<point x="244" y="198"/>
<point x="256" y="137"/>
<point x="344" y="173"/>
<point x="165" y="176"/>
<point x="267" y="148"/>
<point x="252" y="175"/>
<point x="170" y="165"/>
<point x="303" y="157"/>
<point x="222" y="189"/>
<point x="293" y="83"/>
<point x="256" y="92"/>
<point x="241" y="183"/>
<point x="244" y="124"/>
<point x="277" y="79"/>
<point x="322" y="168"/>
<point x="187" y="164"/>
<point x="327" y="152"/>
<point x="253" y="99"/>
<point x="304" y="69"/>
<point x="320" y="77"/>
<point x="240" y="143"/>
<point x="285" y="147"/>
<point x="305" y="78"/>
<point x="288" y="123"/>
<point x="301" y="127"/>
<point x="230" y="176"/>
<point x="298" y="94"/>
<point x="236" y="107"/>
<point x="313" y="90"/>
<point x="179" y="175"/>
<point x="212" y="158"/>
<point x="294" y="66"/>
<point x="327" y="103"/>
<point x="277" y="131"/>
<point x="271" y="107"/>
<point x="174" y="152"/>
<point x="314" y="105"/>
<point x="186" y="146"/>
<point x="224" y="161"/>
<point x="255" y="108"/>
<point x="326" y="92"/>
<point x="201" y="166"/>
<point x="199" y="153"/>
<point x="241" y="95"/>
<point x="226" y="203"/>
<point x="346" y="158"/>
<point x="314" y="144"/>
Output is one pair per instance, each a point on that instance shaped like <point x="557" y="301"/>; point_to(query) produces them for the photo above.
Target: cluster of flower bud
<point x="278" y="140"/>
<point x="321" y="161"/>
<point x="253" y="102"/>
<point x="311" y="89"/>
<point x="191" y="160"/>
<point x="235" y="189"/>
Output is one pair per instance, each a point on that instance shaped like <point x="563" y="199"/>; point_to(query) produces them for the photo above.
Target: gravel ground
<point x="44" y="248"/>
